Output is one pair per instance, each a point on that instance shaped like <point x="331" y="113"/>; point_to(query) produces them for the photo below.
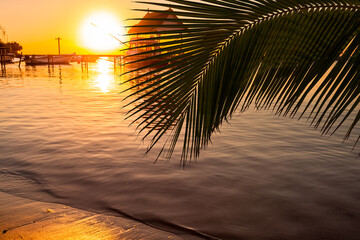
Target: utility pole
<point x="4" y="35"/>
<point x="2" y="29"/>
<point x="58" y="39"/>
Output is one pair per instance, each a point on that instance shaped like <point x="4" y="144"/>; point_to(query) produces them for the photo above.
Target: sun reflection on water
<point x="105" y="80"/>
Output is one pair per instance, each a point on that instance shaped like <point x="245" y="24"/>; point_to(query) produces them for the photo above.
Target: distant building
<point x="145" y="35"/>
<point x="150" y="19"/>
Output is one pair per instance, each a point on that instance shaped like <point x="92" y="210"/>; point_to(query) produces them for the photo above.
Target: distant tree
<point x="14" y="47"/>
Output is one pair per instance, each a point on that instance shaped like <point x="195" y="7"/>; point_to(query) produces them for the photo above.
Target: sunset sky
<point x="36" y="23"/>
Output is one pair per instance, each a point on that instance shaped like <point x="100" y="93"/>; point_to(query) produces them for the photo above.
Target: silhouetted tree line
<point x="13" y="47"/>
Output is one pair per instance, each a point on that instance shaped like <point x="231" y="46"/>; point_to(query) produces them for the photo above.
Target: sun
<point x="102" y="32"/>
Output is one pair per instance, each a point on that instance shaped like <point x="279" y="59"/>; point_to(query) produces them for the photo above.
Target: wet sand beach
<point x="22" y="218"/>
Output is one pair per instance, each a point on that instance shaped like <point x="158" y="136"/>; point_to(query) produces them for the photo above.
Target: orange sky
<point x="36" y="23"/>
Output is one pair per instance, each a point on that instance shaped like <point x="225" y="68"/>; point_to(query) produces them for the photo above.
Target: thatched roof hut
<point x="150" y="19"/>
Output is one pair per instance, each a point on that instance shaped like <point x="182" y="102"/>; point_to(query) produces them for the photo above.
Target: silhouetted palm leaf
<point x="288" y="55"/>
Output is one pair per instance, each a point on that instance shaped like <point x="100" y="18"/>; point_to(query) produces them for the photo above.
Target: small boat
<point x="48" y="59"/>
<point x="15" y="60"/>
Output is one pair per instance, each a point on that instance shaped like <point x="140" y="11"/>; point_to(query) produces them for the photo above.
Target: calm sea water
<point x="63" y="138"/>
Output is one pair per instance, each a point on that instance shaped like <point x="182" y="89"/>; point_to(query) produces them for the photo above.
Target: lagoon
<point x="64" y="139"/>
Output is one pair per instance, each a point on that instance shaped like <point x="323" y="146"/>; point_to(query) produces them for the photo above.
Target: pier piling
<point x="3" y="52"/>
<point x="20" y="59"/>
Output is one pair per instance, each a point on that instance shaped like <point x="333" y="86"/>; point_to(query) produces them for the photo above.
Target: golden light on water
<point x="105" y="80"/>
<point x="97" y="29"/>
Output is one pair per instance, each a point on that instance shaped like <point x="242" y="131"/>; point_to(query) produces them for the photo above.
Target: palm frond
<point x="297" y="57"/>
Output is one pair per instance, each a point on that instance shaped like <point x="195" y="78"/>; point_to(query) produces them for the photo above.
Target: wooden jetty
<point x="84" y="59"/>
<point x="51" y="59"/>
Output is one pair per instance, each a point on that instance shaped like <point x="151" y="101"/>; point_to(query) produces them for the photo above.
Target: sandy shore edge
<point x="22" y="218"/>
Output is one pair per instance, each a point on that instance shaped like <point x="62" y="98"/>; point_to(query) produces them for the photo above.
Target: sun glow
<point x="100" y="30"/>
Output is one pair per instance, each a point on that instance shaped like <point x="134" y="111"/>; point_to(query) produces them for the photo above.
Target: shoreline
<point x="22" y="218"/>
